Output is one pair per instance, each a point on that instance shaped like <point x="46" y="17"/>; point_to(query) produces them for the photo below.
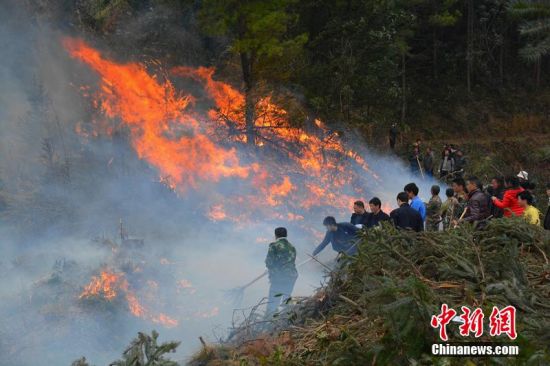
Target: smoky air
<point x="131" y="198"/>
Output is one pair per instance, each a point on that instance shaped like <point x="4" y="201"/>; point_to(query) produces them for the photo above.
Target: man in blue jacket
<point x="416" y="202"/>
<point x="341" y="235"/>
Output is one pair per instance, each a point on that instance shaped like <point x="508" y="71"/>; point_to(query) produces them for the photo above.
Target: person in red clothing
<point x="509" y="203"/>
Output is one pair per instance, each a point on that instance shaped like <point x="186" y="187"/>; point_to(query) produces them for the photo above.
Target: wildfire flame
<point x="108" y="285"/>
<point x="103" y="285"/>
<point x="299" y="170"/>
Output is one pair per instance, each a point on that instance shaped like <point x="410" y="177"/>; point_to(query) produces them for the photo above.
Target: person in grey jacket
<point x="447" y="164"/>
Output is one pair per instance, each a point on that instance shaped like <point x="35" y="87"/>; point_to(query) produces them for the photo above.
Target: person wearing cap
<point x="341" y="235"/>
<point x="526" y="184"/>
<point x="523" y="177"/>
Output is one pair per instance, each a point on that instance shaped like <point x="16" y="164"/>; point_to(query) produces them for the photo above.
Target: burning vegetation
<point x="293" y="170"/>
<point x="108" y="285"/>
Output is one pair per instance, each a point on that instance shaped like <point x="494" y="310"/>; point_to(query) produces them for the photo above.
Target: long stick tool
<point x="236" y="294"/>
<point x="420" y="167"/>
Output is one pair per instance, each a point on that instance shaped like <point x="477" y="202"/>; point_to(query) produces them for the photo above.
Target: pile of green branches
<point x="378" y="307"/>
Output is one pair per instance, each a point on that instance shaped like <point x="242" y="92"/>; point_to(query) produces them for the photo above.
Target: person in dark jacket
<point x="359" y="215"/>
<point x="341" y="235"/>
<point x="429" y="162"/>
<point x="547" y="217"/>
<point x="460" y="164"/>
<point x="406" y="217"/>
<point x="478" y="205"/>
<point x="281" y="267"/>
<point x="393" y="135"/>
<point x="496" y="189"/>
<point x="415" y="160"/>
<point x="376" y="215"/>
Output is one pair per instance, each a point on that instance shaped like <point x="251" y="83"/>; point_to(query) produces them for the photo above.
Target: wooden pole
<point x="420" y="167"/>
<point x="461" y="217"/>
<point x="265" y="273"/>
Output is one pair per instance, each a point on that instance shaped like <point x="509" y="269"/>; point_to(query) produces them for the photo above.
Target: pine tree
<point x="259" y="33"/>
<point x="535" y="28"/>
<point x="143" y="351"/>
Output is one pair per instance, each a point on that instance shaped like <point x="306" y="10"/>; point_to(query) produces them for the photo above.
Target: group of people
<point x="451" y="164"/>
<point x="466" y="202"/>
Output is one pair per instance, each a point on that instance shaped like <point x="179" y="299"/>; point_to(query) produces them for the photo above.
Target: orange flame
<point x="108" y="285"/>
<point x="165" y="130"/>
<point x="150" y="108"/>
<point x="103" y="285"/>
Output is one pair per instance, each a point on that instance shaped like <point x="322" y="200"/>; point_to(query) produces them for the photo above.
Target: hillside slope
<point x="376" y="309"/>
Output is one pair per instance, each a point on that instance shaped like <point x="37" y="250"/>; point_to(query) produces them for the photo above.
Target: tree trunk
<point x="469" y="43"/>
<point x="403" y="88"/>
<point x="434" y="61"/>
<point x="250" y="104"/>
<point x="501" y="64"/>
<point x="538" y="71"/>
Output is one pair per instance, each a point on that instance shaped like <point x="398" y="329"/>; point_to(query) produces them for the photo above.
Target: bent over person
<point x="341" y="235"/>
<point x="281" y="267"/>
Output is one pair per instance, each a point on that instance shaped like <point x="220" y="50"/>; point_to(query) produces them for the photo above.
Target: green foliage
<point x="445" y="13"/>
<point x="143" y="351"/>
<point x="388" y="293"/>
<point x="260" y="27"/>
<point x="353" y="54"/>
<point x="535" y="27"/>
<point x="258" y="31"/>
<point x="104" y="13"/>
<point x="365" y="62"/>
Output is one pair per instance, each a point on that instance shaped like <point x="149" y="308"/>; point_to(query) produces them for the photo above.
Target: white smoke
<point x="46" y="232"/>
